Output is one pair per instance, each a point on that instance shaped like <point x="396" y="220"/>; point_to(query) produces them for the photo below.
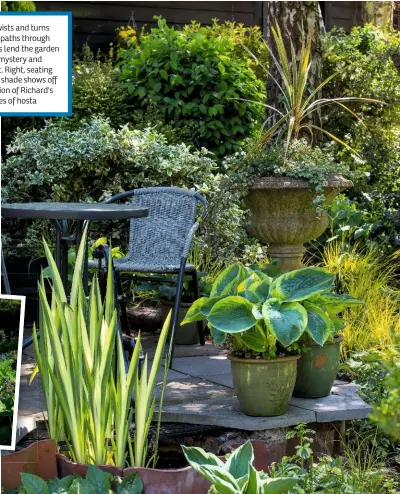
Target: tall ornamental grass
<point x="370" y="277"/>
<point x="87" y="388"/>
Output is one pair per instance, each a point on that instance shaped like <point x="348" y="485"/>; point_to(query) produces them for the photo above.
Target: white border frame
<point x="22" y="299"/>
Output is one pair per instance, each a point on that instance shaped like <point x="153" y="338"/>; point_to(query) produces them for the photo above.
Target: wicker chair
<point x="160" y="243"/>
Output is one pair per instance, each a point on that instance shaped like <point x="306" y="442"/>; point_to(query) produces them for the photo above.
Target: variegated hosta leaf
<point x="301" y="284"/>
<point x="239" y="461"/>
<point x="228" y="281"/>
<point x="254" y="339"/>
<point x="319" y="325"/>
<point x="278" y="485"/>
<point x="217" y="336"/>
<point x="287" y="322"/>
<point x="232" y="315"/>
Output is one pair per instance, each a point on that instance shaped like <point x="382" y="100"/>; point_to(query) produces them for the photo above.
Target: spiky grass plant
<point x="87" y="388"/>
<point x="366" y="275"/>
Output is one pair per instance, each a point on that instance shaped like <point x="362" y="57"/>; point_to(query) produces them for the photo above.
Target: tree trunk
<point x="379" y="13"/>
<point x="295" y="19"/>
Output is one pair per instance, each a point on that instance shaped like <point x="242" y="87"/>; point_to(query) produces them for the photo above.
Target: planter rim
<point x="65" y="459"/>
<point x="276" y="182"/>
<point x="336" y="340"/>
<point x="288" y="358"/>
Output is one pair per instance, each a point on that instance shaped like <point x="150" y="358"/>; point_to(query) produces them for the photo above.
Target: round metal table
<point x="60" y="212"/>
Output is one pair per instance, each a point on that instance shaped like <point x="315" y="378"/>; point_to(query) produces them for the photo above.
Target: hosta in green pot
<point x="262" y="319"/>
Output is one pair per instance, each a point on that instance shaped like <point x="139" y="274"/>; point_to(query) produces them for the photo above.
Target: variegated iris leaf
<point x="287" y="322"/>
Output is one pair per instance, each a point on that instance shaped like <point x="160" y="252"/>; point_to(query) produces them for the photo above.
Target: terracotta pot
<point x="283" y="216"/>
<point x="187" y="334"/>
<point x="181" y="481"/>
<point x="38" y="458"/>
<point x="264" y="387"/>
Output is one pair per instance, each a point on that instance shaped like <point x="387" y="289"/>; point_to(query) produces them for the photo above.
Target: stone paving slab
<point x="202" y="366"/>
<point x="224" y="379"/>
<point x="199" y="401"/>
<point x="342" y="404"/>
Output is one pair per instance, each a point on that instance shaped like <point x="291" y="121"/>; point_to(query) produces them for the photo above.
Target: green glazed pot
<point x="264" y="387"/>
<point x="317" y="369"/>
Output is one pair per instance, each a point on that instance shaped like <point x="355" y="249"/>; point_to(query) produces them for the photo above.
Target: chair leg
<point x="125" y="327"/>
<point x="175" y="315"/>
<point x="196" y="295"/>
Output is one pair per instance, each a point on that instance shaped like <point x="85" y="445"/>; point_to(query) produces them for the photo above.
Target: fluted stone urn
<point x="284" y="218"/>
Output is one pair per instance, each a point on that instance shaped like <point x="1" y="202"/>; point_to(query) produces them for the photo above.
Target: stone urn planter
<point x="264" y="387"/>
<point x="283" y="216"/>
<point x="317" y="369"/>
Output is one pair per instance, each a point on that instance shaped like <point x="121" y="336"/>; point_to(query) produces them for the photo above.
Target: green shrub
<point x="245" y="39"/>
<point x="367" y="61"/>
<point x="96" y="161"/>
<point x="18" y="7"/>
<point x="195" y="80"/>
<point x="96" y="91"/>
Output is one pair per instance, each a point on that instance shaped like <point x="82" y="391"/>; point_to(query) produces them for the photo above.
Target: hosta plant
<point x="266" y="316"/>
<point x="237" y="475"/>
<point x="87" y="384"/>
<point x="96" y="481"/>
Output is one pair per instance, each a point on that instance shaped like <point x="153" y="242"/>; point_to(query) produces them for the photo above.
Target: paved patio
<point x="200" y="391"/>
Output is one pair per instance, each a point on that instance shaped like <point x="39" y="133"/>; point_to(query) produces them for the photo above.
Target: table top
<point x="72" y="211"/>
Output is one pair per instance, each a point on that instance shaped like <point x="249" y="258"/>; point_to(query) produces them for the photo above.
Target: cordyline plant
<point x="266" y="315"/>
<point x="87" y="388"/>
<point x="298" y="104"/>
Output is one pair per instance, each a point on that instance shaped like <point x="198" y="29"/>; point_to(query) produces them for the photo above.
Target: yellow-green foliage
<point x="369" y="277"/>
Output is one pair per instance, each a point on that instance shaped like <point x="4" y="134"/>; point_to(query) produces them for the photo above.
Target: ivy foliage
<point x="196" y="80"/>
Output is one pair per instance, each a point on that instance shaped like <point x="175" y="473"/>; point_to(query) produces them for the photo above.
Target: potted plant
<point x="319" y="362"/>
<point x="291" y="179"/>
<point x="262" y="320"/>
<point x="88" y="397"/>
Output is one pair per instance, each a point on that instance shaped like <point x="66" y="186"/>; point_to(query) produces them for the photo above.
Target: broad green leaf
<point x="227" y="282"/>
<point x="197" y="457"/>
<point x="247" y="283"/>
<point x="239" y="461"/>
<point x="217" y="336"/>
<point x="278" y="485"/>
<point x="80" y="486"/>
<point x="232" y="315"/>
<point x="220" y="478"/>
<point x="194" y="313"/>
<point x="286" y="322"/>
<point x="335" y="298"/>
<point x="208" y="305"/>
<point x="301" y="284"/>
<point x="253" y="484"/>
<point x="34" y="484"/>
<point x="99" y="479"/>
<point x="319" y="324"/>
<point x="130" y="485"/>
<point x="255" y="340"/>
<point x="261" y="289"/>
